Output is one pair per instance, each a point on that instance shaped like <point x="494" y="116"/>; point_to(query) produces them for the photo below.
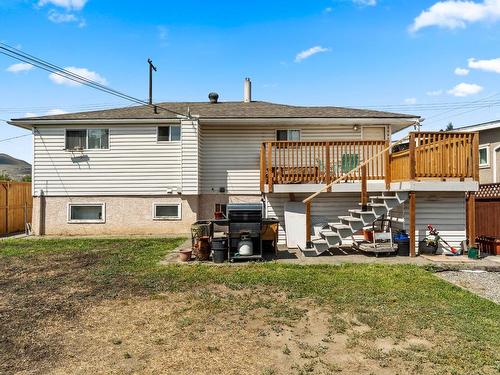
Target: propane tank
<point x="245" y="246"/>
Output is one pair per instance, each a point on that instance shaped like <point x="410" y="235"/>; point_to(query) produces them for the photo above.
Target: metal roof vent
<point x="214" y="97"/>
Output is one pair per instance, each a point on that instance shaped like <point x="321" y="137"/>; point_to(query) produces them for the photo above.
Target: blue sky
<point x="398" y="53"/>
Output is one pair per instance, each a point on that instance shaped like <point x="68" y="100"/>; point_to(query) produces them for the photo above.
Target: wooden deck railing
<point x="437" y="155"/>
<point x="320" y="162"/>
<point x="427" y="155"/>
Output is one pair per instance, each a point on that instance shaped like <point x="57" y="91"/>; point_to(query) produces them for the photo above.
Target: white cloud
<point x="465" y="89"/>
<point x="84" y="72"/>
<point x="452" y="14"/>
<point x="66" y="4"/>
<point x="461" y="71"/>
<point x="434" y="93"/>
<point x="411" y="101"/>
<point x="328" y="10"/>
<point x="365" y="2"/>
<point x="58" y="17"/>
<point x="55" y="111"/>
<point x="50" y="112"/>
<point x="309" y="52"/>
<point x="486" y="65"/>
<point x="19" y="67"/>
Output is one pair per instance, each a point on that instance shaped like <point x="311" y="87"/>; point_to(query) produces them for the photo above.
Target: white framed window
<point x="86" y="213"/>
<point x="288" y="135"/>
<point x="169" y="133"/>
<point x="87" y="139"/>
<point x="484" y="156"/>
<point x="167" y="211"/>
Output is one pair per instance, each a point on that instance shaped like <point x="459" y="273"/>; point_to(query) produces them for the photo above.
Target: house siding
<point x="491" y="139"/>
<point x="443" y="210"/>
<point x="134" y="164"/>
<point x="326" y="208"/>
<point x="230" y="154"/>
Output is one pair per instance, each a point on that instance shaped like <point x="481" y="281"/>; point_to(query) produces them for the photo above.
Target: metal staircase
<point x="330" y="235"/>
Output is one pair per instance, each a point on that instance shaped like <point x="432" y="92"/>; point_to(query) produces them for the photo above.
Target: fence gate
<point x="16" y="205"/>
<point x="488" y="210"/>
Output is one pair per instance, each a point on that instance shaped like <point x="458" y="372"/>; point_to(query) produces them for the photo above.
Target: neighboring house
<point x="489" y="150"/>
<point x="137" y="170"/>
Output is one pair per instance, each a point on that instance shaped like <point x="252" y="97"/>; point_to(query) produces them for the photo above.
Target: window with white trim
<point x="167" y="211"/>
<point x="484" y="156"/>
<point x="170" y="133"/>
<point x="87" y="139"/>
<point x="288" y="135"/>
<point x="86" y="213"/>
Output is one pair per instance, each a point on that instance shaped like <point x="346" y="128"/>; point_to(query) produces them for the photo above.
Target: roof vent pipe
<point x="247" y="91"/>
<point x="213" y="97"/>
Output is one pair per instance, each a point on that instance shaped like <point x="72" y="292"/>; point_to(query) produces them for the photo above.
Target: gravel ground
<point x="484" y="284"/>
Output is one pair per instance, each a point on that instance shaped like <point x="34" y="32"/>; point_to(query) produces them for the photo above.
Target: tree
<point x="26" y="178"/>
<point x="449" y="127"/>
<point x="4" y="176"/>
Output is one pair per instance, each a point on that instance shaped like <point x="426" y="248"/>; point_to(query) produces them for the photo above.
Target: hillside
<point x="16" y="169"/>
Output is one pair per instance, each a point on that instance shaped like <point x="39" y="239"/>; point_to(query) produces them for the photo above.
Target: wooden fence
<point x="488" y="210"/>
<point x="16" y="204"/>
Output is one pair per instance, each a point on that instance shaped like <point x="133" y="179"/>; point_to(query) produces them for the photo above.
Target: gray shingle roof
<point x="255" y="109"/>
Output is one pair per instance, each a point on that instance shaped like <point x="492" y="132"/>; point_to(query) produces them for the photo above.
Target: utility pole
<point x="151" y="68"/>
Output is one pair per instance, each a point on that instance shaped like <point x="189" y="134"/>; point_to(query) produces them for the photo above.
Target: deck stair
<point x="329" y="235"/>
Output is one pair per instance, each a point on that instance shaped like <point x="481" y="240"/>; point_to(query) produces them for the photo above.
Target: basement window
<point x="171" y="133"/>
<point x="484" y="160"/>
<point x="86" y="213"/>
<point x="170" y="211"/>
<point x="287" y="135"/>
<point x="87" y="139"/>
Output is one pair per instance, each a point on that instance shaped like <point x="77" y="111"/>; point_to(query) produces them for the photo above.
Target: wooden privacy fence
<point x="16" y="204"/>
<point x="487" y="211"/>
<point x="286" y="162"/>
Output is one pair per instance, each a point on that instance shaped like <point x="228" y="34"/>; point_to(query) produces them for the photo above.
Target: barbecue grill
<point x="245" y="222"/>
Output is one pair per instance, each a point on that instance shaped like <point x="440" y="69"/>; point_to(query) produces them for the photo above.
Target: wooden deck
<point x="425" y="156"/>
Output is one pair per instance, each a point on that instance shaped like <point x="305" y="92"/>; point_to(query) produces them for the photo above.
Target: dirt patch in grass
<point x="220" y="332"/>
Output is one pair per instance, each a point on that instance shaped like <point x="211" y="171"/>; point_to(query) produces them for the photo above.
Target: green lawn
<point x="393" y="302"/>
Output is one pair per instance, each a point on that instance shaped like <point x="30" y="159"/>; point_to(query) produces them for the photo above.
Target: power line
<point x="11" y="138"/>
<point x="47" y="66"/>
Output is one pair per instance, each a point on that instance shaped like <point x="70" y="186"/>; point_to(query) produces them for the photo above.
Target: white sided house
<point x="140" y="170"/>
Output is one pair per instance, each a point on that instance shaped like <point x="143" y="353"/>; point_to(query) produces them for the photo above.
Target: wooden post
<point x="364" y="189"/>
<point x="270" y="167"/>
<point x="308" y="224"/>
<point x="475" y="156"/>
<point x="5" y="206"/>
<point x="412" y="230"/>
<point x="412" y="157"/>
<point x="387" y="162"/>
<point x="26" y="218"/>
<point x="471" y="218"/>
<point x="327" y="166"/>
<point x="262" y="167"/>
